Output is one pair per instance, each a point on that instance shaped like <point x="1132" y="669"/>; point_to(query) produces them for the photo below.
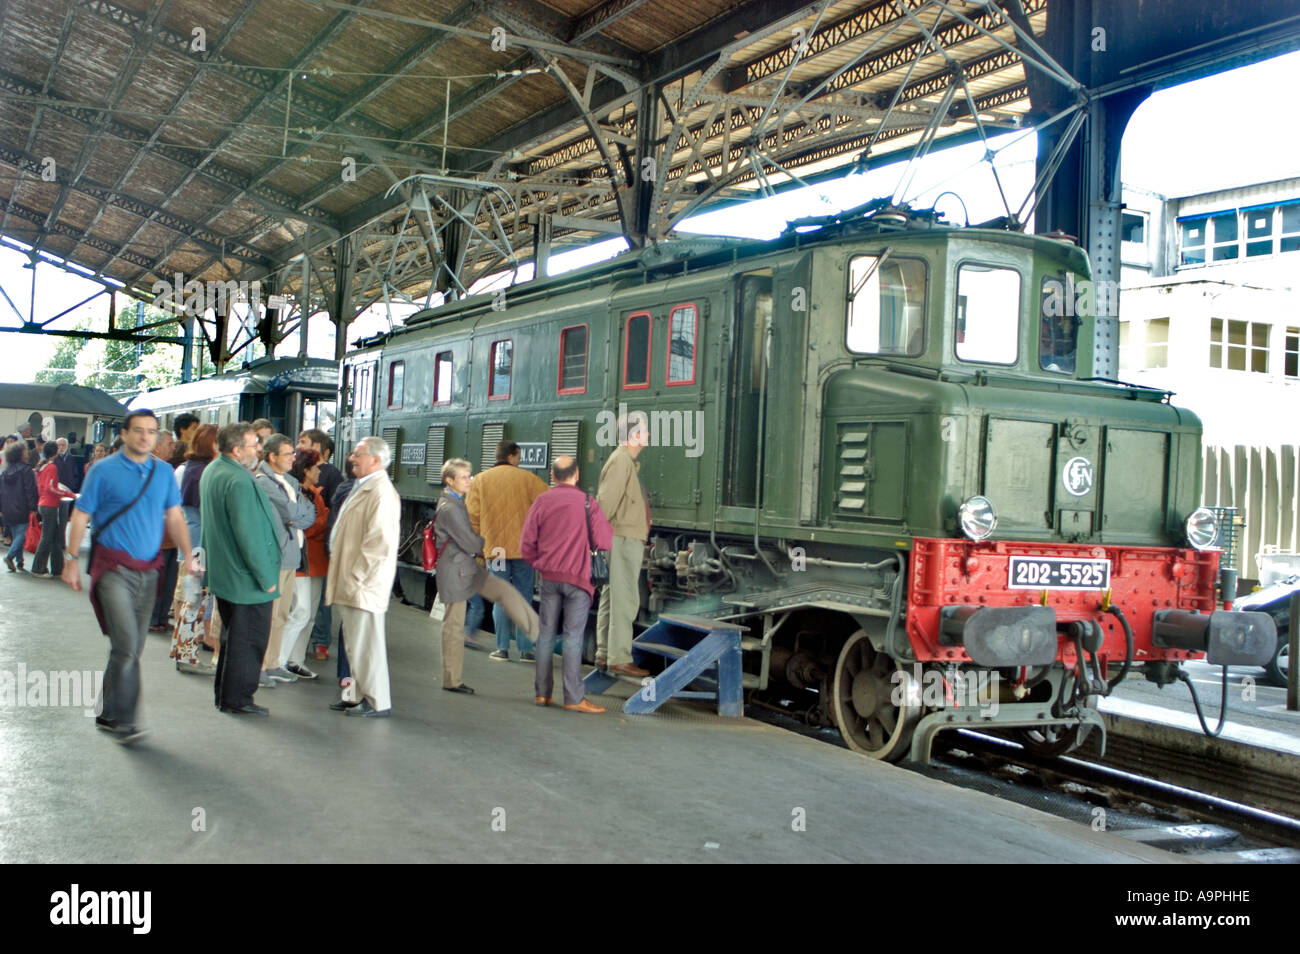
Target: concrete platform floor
<point x="489" y="777"/>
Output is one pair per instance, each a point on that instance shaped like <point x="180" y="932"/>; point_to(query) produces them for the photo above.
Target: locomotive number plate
<point x="1057" y="573"/>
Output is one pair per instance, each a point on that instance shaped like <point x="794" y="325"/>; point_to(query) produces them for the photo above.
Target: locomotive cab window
<point x="442" y="371"/>
<point x="396" y="383"/>
<point x="1058" y="331"/>
<point x="636" y="351"/>
<point x="500" y="366"/>
<point x="573" y="360"/>
<point x="886" y="299"/>
<point x="683" y="326"/>
<point x="988" y="314"/>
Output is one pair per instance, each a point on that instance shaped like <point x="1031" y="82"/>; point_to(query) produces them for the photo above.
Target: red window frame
<point x="392" y="369"/>
<point x="695" y="354"/>
<point x="437" y="367"/>
<point x="559" y="377"/>
<point x="649" y="348"/>
<point x="492" y="363"/>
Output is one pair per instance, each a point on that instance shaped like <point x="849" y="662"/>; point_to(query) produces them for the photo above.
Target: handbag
<point x="599" y="558"/>
<point x="32" y="541"/>
<point x="429" y="552"/>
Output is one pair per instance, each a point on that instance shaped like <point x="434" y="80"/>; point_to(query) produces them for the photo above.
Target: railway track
<point x="1139" y="802"/>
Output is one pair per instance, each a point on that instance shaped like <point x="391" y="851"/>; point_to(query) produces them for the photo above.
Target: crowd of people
<point x="255" y="546"/>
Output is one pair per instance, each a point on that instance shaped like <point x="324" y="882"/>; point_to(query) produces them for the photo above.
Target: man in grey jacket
<point x="295" y="513"/>
<point x="460" y="575"/>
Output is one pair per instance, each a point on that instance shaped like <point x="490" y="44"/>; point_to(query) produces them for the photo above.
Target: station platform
<point x="483" y="778"/>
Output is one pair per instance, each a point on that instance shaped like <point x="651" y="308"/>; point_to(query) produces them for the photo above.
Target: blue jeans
<point x="126" y="597"/>
<point x="519" y="575"/>
<point x="565" y="609"/>
<point x="19" y="533"/>
<point x="320" y="630"/>
<point x="475" y="609"/>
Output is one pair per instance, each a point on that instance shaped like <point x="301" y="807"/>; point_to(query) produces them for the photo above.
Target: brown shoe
<point x="585" y="706"/>
<point x="627" y="669"/>
<point x="543" y="700"/>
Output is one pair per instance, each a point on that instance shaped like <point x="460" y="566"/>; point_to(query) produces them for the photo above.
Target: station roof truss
<point x="348" y="153"/>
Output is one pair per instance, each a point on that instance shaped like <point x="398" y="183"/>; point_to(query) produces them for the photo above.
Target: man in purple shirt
<point x="555" y="542"/>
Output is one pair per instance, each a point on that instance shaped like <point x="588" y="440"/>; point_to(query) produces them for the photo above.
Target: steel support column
<point x="341" y="310"/>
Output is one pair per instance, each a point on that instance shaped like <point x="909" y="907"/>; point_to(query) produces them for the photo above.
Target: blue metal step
<point x="694" y="646"/>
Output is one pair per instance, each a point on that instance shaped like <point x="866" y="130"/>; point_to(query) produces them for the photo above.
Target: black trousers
<point x="245" y="630"/>
<point x="162" y="606"/>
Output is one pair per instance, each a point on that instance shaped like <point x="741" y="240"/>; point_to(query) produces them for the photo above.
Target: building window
<point x="683" y="326"/>
<point x="636" y="351"/>
<point x="1124" y="328"/>
<point x="396" y="383"/>
<point x="573" y="360"/>
<point x="1225" y="236"/>
<point x="1192" y="242"/>
<point x="1238" y="345"/>
<point x="1293" y="352"/>
<point x="1259" y="232"/>
<point x="988" y="314"/>
<point x="1133" y="227"/>
<point x="500" y="364"/>
<point x="442" y="372"/>
<point x="1157" y="343"/>
<point x="1290" y="241"/>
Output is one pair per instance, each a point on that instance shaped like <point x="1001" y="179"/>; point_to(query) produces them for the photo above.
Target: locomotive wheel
<point x="1050" y="740"/>
<point x="862" y="701"/>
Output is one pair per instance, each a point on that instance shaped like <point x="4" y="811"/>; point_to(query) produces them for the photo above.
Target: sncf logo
<point x="1077" y="476"/>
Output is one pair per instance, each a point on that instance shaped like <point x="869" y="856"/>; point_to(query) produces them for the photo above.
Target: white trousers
<point x="297" y="628"/>
<point x="363" y="635"/>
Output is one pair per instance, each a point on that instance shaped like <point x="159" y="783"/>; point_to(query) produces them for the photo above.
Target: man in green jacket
<point x="243" y="564"/>
<point x="623" y="501"/>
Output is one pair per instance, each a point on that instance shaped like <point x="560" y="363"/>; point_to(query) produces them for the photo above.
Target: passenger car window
<point x="396" y="383"/>
<point x="886" y="303"/>
<point x="1058" y="329"/>
<point x="988" y="314"/>
<point x="683" y="326"/>
<point x="573" y="360"/>
<point x="501" y="363"/>
<point x="636" y="351"/>
<point x="442" y="371"/>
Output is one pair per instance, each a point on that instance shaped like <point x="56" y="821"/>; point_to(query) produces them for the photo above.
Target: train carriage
<point x="294" y="394"/>
<point x="86" y="415"/>
<point x="880" y="444"/>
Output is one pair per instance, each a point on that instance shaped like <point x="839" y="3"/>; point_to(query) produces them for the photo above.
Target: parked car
<point x="1275" y="600"/>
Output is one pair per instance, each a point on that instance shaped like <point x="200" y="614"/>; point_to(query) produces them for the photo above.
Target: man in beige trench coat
<point x="363" y="562"/>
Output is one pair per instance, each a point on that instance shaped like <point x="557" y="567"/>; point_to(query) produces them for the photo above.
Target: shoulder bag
<point x="599" y="558"/>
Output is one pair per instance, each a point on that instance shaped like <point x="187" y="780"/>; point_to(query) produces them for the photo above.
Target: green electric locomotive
<point x="878" y="442"/>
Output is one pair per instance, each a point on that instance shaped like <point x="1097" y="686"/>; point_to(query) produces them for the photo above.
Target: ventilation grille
<point x="851" y="481"/>
<point x="564" y="439"/>
<point x="435" y="452"/>
<point x="493" y="434"/>
<point x="392" y="437"/>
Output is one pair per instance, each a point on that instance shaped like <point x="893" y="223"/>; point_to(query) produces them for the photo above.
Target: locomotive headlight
<point x="1202" y="528"/>
<point x="977" y="518"/>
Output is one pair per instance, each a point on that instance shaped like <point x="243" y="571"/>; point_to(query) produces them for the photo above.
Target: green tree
<point x="62" y="368"/>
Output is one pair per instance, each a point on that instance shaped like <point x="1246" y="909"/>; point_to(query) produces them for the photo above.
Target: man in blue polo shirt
<point x="129" y="497"/>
